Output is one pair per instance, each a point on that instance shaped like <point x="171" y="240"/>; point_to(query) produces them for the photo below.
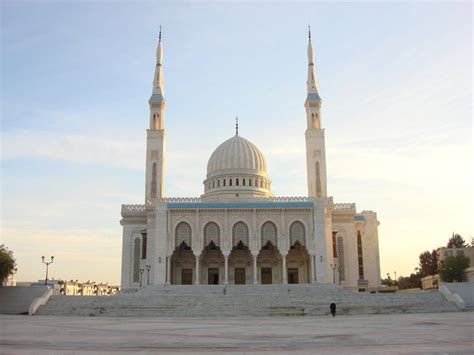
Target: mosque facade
<point x="237" y="231"/>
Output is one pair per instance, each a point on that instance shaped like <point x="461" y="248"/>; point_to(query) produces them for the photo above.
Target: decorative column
<point x="226" y="269"/>
<point x="197" y="270"/>
<point x="255" y="279"/>
<point x="311" y="269"/>
<point x="285" y="272"/>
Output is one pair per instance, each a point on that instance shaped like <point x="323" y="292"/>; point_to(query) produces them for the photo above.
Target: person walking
<point x="333" y="309"/>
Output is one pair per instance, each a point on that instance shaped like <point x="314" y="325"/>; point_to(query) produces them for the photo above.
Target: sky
<point x="395" y="79"/>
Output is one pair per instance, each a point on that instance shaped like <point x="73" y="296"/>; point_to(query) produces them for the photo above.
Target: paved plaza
<point x="362" y="334"/>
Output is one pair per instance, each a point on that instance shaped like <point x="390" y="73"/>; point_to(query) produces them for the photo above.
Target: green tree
<point x="428" y="263"/>
<point x="456" y="241"/>
<point x="7" y="262"/>
<point x="452" y="268"/>
<point x="412" y="281"/>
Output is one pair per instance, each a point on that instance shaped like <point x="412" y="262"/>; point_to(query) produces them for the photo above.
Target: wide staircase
<point x="244" y="300"/>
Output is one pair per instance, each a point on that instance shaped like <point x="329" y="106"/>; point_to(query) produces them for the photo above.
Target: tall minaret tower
<point x="156" y="136"/>
<point x="315" y="146"/>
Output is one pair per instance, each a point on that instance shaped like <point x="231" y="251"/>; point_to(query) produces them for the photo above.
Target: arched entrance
<point x="212" y="259"/>
<point x="240" y="258"/>
<point x="297" y="260"/>
<point x="269" y="265"/>
<point x="183" y="261"/>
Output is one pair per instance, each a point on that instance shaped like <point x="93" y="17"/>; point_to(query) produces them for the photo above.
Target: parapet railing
<point x="344" y="206"/>
<point x="140" y="208"/>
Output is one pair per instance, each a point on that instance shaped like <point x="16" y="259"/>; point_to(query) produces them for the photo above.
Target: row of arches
<point x="240" y="266"/>
<point x="240" y="234"/>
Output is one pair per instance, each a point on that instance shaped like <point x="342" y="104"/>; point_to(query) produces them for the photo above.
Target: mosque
<point x="237" y="231"/>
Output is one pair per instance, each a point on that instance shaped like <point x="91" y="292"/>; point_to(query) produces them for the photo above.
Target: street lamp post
<point x="148" y="268"/>
<point x="47" y="263"/>
<point x="333" y="267"/>
<point x="141" y="274"/>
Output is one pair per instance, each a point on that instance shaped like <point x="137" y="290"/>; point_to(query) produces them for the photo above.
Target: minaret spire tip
<point x="309" y="32"/>
<point x="236" y="125"/>
<point x="159" y="36"/>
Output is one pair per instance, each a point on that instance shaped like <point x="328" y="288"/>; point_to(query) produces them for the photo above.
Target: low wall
<point x="469" y="274"/>
<point x="40" y="301"/>
<point x="430" y="282"/>
<point x="17" y="299"/>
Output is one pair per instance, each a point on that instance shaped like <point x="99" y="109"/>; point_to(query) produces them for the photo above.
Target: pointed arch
<point x="269" y="233"/>
<point x="211" y="234"/>
<point x="318" y="180"/>
<point x="136" y="259"/>
<point x="297" y="233"/>
<point x="183" y="234"/>
<point x="340" y="258"/>
<point x="240" y="234"/>
<point x="153" y="179"/>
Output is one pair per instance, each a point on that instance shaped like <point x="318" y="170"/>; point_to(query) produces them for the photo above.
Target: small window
<point x="218" y="183"/>
<point x="230" y="182"/>
<point x="236" y="182"/>
<point x="213" y="184"/>
<point x="243" y="182"/>
<point x="256" y="183"/>
<point x="223" y="182"/>
<point x="250" y="182"/>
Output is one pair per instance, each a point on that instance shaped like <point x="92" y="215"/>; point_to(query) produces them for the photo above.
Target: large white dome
<point x="237" y="155"/>
<point x="237" y="167"/>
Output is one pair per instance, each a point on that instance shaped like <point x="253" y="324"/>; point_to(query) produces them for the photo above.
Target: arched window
<point x="153" y="180"/>
<point x="243" y="182"/>
<point x="230" y="182"/>
<point x="297" y="233"/>
<point x="211" y="234"/>
<point x="318" y="180"/>
<point x="218" y="183"/>
<point x="136" y="260"/>
<point x="236" y="182"/>
<point x="360" y="256"/>
<point x="213" y="184"/>
<point x="144" y="244"/>
<point x="183" y="234"/>
<point x="240" y="234"/>
<point x="340" y="258"/>
<point x="223" y="182"/>
<point x="250" y="182"/>
<point x="269" y="234"/>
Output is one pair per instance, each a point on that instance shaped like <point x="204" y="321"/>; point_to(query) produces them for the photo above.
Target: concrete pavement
<point x="359" y="334"/>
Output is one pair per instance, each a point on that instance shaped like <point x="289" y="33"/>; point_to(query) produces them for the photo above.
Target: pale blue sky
<point x="396" y="83"/>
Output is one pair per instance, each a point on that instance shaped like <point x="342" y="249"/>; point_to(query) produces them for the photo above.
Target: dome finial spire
<point x="309" y="32"/>
<point x="236" y="125"/>
<point x="159" y="36"/>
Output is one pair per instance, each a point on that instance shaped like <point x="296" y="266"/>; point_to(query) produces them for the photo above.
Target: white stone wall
<point x="316" y="152"/>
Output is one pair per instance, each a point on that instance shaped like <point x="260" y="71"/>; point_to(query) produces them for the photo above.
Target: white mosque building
<point x="237" y="232"/>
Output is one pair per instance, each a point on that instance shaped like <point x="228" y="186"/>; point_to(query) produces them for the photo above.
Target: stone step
<point x="243" y="300"/>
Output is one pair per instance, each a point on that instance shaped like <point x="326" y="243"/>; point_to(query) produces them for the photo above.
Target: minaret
<point x="315" y="146"/>
<point x="156" y="136"/>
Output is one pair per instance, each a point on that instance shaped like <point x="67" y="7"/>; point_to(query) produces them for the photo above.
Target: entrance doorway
<point x="187" y="276"/>
<point x="293" y="276"/>
<point x="213" y="276"/>
<point x="266" y="275"/>
<point x="239" y="276"/>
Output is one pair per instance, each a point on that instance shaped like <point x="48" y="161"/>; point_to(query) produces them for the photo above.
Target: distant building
<point x="75" y="288"/>
<point x="444" y="252"/>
